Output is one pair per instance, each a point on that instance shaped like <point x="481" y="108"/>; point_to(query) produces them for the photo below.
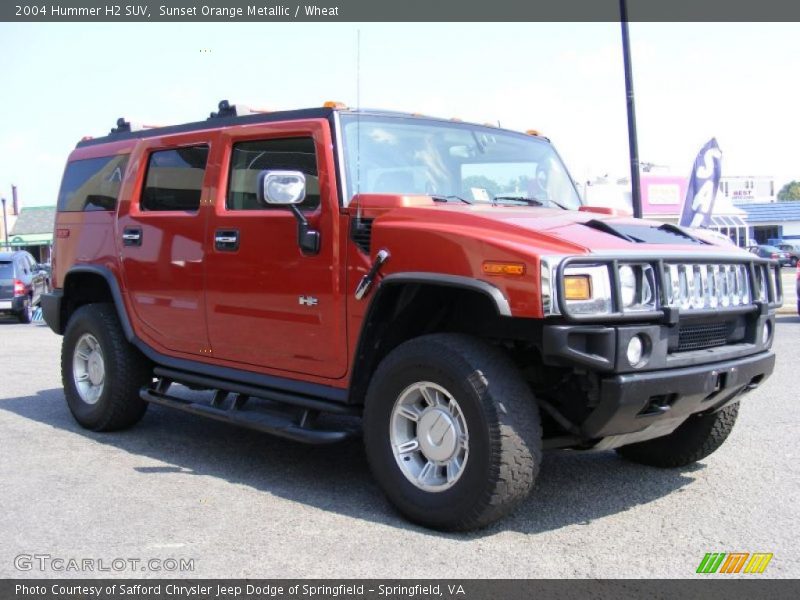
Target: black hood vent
<point x="646" y="234"/>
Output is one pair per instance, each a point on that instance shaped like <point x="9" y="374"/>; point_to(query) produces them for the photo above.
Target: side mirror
<point x="288" y="188"/>
<point x="282" y="188"/>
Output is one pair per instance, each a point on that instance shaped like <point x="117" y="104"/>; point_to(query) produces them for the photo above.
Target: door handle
<point x="132" y="236"/>
<point x="226" y="240"/>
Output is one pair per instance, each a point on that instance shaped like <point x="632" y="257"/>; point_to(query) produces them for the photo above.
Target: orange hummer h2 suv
<point x="434" y="284"/>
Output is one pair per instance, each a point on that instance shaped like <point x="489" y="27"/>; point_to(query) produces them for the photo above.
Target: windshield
<point x="454" y="161"/>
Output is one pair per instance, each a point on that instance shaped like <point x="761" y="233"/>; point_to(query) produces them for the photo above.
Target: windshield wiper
<point x="523" y="199"/>
<point x="440" y="198"/>
<point x="532" y="201"/>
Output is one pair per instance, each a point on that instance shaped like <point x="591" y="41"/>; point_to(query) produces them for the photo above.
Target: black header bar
<point x="708" y="587"/>
<point x="185" y="11"/>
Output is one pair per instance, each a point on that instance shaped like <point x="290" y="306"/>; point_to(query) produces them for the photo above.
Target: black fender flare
<point x="495" y="295"/>
<point x="116" y="293"/>
<point x="362" y="367"/>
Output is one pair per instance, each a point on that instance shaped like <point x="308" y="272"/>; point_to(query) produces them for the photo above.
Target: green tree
<point x="789" y="192"/>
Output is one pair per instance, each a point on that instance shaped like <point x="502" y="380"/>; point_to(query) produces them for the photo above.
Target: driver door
<point x="269" y="304"/>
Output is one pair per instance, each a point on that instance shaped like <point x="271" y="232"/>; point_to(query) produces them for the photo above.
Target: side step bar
<point x="279" y="425"/>
<point x="291" y="416"/>
<point x="213" y="383"/>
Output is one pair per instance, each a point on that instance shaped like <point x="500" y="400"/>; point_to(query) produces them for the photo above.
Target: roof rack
<point x="226" y="109"/>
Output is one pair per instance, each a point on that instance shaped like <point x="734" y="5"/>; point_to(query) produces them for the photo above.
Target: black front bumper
<point x="659" y="401"/>
<point x="631" y="403"/>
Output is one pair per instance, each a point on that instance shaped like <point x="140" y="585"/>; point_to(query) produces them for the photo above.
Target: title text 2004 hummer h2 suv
<point x="438" y="279"/>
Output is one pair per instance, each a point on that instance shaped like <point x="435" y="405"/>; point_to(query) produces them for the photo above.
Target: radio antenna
<point x="358" y="124"/>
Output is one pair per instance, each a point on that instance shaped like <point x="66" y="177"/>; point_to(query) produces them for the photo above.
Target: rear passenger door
<point x="161" y="239"/>
<point x="36" y="278"/>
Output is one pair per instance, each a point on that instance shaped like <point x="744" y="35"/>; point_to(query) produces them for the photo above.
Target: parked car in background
<point x="798" y="289"/>
<point x="793" y="250"/>
<point x="773" y="252"/>
<point x="21" y="284"/>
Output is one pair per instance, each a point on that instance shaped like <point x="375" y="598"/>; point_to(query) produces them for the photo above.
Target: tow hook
<point x="366" y="281"/>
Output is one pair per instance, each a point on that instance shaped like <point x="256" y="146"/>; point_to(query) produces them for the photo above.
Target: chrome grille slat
<point x="707" y="286"/>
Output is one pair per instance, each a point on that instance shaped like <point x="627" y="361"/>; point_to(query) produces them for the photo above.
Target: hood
<point x="551" y="231"/>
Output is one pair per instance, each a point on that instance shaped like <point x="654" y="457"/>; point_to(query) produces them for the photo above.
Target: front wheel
<point x="101" y="371"/>
<point x="452" y="432"/>
<point x="693" y="440"/>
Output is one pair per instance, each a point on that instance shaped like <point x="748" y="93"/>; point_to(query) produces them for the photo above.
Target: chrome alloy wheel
<point x="429" y="436"/>
<point x="88" y="368"/>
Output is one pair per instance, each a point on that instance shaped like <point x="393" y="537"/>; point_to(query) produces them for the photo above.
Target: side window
<point x="175" y="179"/>
<point x="92" y="184"/>
<point x="250" y="158"/>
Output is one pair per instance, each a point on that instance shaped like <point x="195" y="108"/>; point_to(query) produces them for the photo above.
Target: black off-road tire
<point x="502" y="417"/>
<point x="119" y="406"/>
<point x="695" y="439"/>
<point x="26" y="314"/>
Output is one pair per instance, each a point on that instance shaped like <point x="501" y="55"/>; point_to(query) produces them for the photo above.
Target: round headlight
<point x="627" y="282"/>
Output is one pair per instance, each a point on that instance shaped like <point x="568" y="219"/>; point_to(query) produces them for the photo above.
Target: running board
<point x="282" y="397"/>
<point x="279" y="425"/>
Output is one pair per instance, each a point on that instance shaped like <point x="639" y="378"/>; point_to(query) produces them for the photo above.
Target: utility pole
<point x="633" y="146"/>
<point x="5" y="222"/>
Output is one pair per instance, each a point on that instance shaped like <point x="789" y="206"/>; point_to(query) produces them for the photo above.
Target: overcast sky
<point x="737" y="82"/>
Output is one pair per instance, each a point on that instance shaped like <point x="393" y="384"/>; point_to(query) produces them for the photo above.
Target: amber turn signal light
<point x="491" y="267"/>
<point x="577" y="287"/>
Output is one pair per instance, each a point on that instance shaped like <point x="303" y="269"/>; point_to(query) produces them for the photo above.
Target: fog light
<point x="766" y="333"/>
<point x="635" y="351"/>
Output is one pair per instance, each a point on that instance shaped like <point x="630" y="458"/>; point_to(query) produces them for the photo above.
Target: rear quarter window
<point x="92" y="184"/>
<point x="175" y="179"/>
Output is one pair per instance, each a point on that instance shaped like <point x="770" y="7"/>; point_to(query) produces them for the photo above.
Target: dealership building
<point x="746" y="208"/>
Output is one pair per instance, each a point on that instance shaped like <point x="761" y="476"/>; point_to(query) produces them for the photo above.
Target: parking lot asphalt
<point x="243" y="504"/>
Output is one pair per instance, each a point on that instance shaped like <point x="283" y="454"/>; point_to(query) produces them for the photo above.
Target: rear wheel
<point x="452" y="432"/>
<point x="698" y="437"/>
<point x="26" y="314"/>
<point x="101" y="371"/>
